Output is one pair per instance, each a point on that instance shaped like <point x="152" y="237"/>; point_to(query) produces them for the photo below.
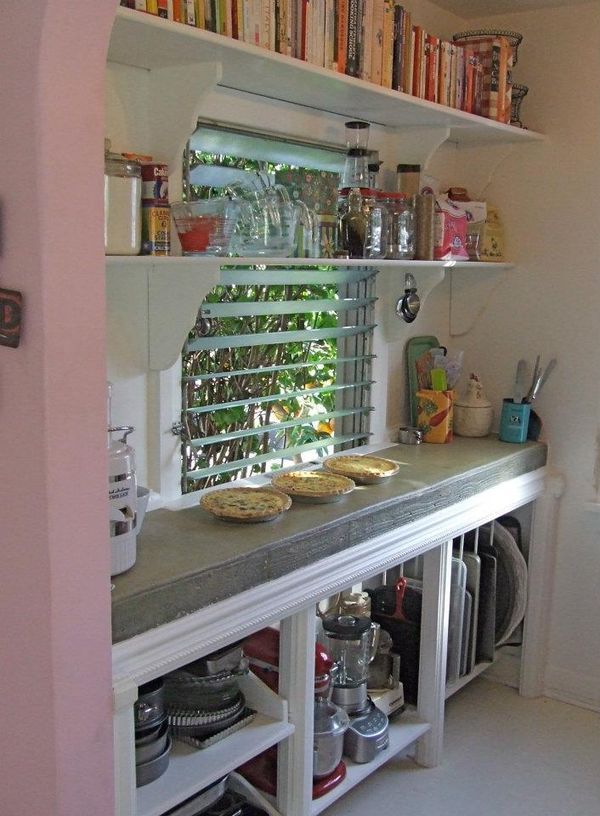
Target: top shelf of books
<point x="147" y="41"/>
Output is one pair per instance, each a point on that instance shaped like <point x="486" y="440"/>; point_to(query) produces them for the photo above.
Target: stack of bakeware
<point x="152" y="738"/>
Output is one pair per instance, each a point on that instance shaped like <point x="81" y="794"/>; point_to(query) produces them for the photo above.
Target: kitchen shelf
<point x="149" y="42"/>
<point x="154" y="301"/>
<point x="452" y="688"/>
<point x="191" y="769"/>
<point x="404" y="731"/>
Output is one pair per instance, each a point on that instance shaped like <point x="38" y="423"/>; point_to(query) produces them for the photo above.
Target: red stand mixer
<point x="330" y="723"/>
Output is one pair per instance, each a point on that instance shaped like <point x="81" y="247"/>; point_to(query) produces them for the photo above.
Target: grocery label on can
<point x="155" y="182"/>
<point x="156" y="229"/>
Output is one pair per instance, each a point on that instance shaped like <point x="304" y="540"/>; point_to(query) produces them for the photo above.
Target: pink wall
<point x="54" y="559"/>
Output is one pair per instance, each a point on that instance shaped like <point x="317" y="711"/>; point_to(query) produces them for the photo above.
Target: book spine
<point x="330" y="34"/>
<point x="432" y="64"/>
<point x="377" y="46"/>
<point x="443" y="73"/>
<point x="140" y="5"/>
<point x="319" y="33"/>
<point x="152" y="6"/>
<point x="407" y="58"/>
<point x="398" y="49"/>
<point x="177" y="11"/>
<point x="227" y="17"/>
<point x="418" y="60"/>
<point x="367" y="42"/>
<point x="387" y="49"/>
<point x="190" y="13"/>
<point x="342" y="35"/>
<point x="198" y="13"/>
<point x="352" y="54"/>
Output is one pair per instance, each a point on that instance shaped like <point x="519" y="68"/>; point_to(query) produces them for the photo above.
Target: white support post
<point x="125" y="693"/>
<point x="542" y="554"/>
<point x="432" y="661"/>
<point x="296" y="684"/>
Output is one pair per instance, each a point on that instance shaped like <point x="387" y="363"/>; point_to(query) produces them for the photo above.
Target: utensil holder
<point x="435" y="415"/>
<point x="514" y="420"/>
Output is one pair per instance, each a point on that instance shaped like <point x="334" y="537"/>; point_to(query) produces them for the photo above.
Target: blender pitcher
<point x="351" y="642"/>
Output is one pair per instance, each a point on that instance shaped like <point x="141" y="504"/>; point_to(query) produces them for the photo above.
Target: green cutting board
<point x="414" y="348"/>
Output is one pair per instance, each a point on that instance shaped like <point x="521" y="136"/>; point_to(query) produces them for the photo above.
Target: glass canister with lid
<point x="122" y="204"/>
<point x="401" y="225"/>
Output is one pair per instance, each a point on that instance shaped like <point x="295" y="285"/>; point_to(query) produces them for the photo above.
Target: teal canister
<point x="514" y="421"/>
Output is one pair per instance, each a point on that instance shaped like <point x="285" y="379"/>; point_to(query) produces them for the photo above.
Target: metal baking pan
<point x="147" y="772"/>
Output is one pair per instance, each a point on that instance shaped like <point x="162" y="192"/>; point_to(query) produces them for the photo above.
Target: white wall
<point x="548" y="195"/>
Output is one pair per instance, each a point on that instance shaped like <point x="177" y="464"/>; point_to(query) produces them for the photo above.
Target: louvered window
<point x="278" y="367"/>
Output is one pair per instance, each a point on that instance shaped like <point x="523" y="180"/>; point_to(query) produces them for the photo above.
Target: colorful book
<point x="387" y="49"/>
<point x="342" y="35"/>
<point x="398" y="47"/>
<point x="353" y="47"/>
<point x="407" y="60"/>
<point x="418" y="83"/>
<point x="432" y="65"/>
<point x="367" y="42"/>
<point x="377" y="44"/>
<point x="330" y="36"/>
<point x="444" y="73"/>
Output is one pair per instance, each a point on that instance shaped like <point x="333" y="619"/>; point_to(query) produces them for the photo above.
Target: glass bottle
<point x="353" y="226"/>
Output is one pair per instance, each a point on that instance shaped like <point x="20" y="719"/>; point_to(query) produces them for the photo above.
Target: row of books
<point x="373" y="40"/>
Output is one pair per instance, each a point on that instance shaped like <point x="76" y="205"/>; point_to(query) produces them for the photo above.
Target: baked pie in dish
<point x="316" y="486"/>
<point x="246" y="504"/>
<point x="362" y="468"/>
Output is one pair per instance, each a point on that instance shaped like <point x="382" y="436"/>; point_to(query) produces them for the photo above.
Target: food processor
<point x="352" y="641"/>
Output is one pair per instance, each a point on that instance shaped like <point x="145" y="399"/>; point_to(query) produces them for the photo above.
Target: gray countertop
<point x="186" y="559"/>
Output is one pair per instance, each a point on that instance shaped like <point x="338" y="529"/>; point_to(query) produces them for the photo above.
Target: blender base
<point x="367" y="735"/>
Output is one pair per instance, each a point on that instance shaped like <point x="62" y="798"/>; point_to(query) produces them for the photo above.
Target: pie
<point x="313" y="485"/>
<point x="361" y="468"/>
<point x="246" y="503"/>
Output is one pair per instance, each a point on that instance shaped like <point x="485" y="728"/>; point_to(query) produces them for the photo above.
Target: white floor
<point x="504" y="755"/>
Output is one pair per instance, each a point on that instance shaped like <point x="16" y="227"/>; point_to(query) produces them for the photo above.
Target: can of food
<point x="156" y="228"/>
<point x="155" y="182"/>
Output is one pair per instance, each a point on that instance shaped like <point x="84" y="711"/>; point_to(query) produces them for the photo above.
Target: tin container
<point x="156" y="229"/>
<point x="435" y="415"/>
<point x="514" y="421"/>
<point x="155" y="182"/>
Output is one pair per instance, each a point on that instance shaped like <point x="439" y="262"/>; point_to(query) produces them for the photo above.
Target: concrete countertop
<point x="186" y="559"/>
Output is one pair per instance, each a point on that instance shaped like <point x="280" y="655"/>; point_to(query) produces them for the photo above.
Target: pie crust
<point x="246" y="504"/>
<point x="362" y="468"/>
<point x="313" y="485"/>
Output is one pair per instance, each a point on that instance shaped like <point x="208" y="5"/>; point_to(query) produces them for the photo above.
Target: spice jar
<point x="122" y="204"/>
<point x="401" y="226"/>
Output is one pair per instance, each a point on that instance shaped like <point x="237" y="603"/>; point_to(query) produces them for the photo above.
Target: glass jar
<point x="377" y="224"/>
<point x="353" y="223"/>
<point x="401" y="232"/>
<point x="122" y="205"/>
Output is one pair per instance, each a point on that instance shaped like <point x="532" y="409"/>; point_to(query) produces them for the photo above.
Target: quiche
<point x="362" y="468"/>
<point x="246" y="504"/>
<point x="313" y="485"/>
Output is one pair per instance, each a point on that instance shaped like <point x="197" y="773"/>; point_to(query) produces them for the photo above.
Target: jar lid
<point x="357" y="125"/>
<point x="349" y="627"/>
<point x="364" y="191"/>
<point x="394" y="196"/>
<point x="408" y="168"/>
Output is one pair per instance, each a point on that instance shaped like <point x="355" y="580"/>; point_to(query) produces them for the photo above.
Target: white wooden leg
<point x="125" y="693"/>
<point x="296" y="684"/>
<point x="542" y="552"/>
<point x="432" y="660"/>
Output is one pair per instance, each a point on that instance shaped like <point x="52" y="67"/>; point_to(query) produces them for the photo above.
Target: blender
<point x="356" y="166"/>
<point x="352" y="641"/>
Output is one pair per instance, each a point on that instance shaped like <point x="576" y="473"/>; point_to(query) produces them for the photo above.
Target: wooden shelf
<point x="145" y="41"/>
<point x="404" y="731"/>
<point x="153" y="301"/>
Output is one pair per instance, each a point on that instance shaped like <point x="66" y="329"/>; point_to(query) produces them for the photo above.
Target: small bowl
<point x="205" y="227"/>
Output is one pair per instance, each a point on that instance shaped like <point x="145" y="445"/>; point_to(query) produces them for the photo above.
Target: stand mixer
<point x="352" y="641"/>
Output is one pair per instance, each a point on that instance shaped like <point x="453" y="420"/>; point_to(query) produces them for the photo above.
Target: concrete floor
<point x="504" y="755"/>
